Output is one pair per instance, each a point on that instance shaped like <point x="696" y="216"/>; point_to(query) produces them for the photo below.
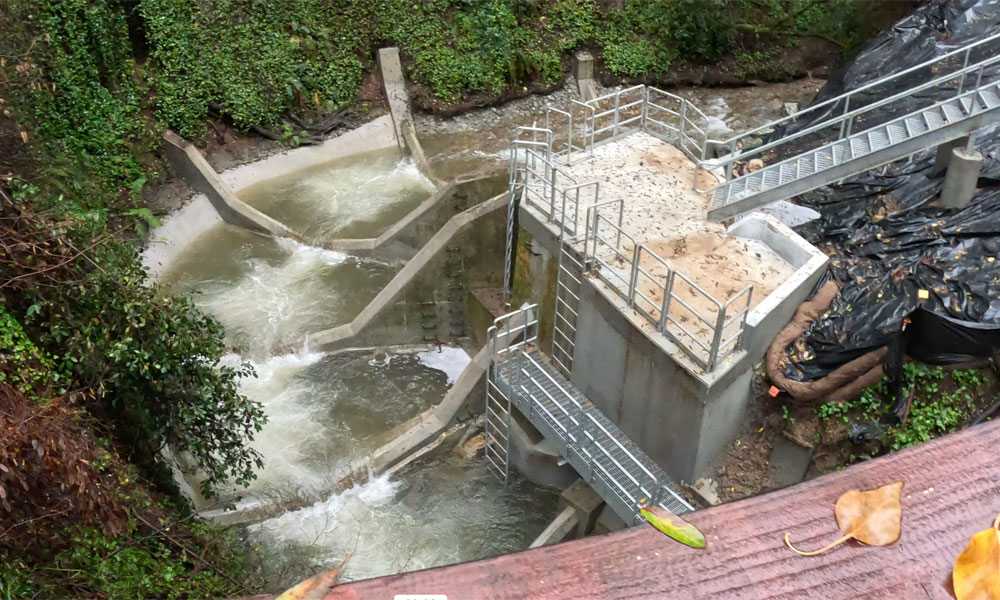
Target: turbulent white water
<point x="716" y="113"/>
<point x="449" y="360"/>
<point x="353" y="198"/>
<point x="268" y="293"/>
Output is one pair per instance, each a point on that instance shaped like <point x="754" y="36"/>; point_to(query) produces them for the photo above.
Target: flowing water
<point x="322" y="408"/>
<point x="348" y="198"/>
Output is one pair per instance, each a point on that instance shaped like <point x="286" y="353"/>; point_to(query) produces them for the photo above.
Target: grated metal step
<point x="602" y="454"/>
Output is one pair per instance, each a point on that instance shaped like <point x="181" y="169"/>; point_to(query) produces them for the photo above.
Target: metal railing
<point x="614" y="114"/>
<point x="850" y="111"/>
<point x="677" y="120"/>
<point x="610" y="252"/>
<point x="663" y="296"/>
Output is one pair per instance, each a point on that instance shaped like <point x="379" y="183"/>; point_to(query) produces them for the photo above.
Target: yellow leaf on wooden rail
<point x="674" y="526"/>
<point x="976" y="575"/>
<point x="316" y="586"/>
<point x="873" y="517"/>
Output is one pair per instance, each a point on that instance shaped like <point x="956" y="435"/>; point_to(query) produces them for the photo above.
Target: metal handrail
<point x="846" y="119"/>
<point x="846" y="95"/>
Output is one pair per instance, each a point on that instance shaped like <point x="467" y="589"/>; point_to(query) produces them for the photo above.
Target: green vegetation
<point x="943" y="402"/>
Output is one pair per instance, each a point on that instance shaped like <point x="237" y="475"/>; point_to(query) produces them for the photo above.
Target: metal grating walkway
<point x="618" y="470"/>
<point x="856" y="153"/>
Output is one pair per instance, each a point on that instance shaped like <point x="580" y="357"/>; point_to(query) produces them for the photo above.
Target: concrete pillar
<point x="961" y="178"/>
<point x="587" y="504"/>
<point x="583" y="72"/>
<point x="944" y="154"/>
<point x="395" y="90"/>
<point x="583" y="65"/>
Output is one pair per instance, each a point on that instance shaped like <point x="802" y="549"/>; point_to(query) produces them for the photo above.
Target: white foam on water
<point x="359" y="192"/>
<point x="275" y="302"/>
<point x="715" y="114"/>
<point x="450" y="360"/>
<point x="330" y="527"/>
<point x="292" y="430"/>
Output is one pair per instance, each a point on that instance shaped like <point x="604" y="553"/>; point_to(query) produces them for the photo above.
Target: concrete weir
<point x="448" y="243"/>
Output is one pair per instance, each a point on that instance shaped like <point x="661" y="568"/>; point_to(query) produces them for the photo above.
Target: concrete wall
<point x="394" y="315"/>
<point x="195" y="170"/>
<point x="679" y="415"/>
<point x="775" y="311"/>
<point x="375" y="136"/>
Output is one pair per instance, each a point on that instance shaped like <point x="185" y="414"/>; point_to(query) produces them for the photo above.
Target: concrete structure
<point x="375" y="136"/>
<point x="356" y="332"/>
<point x="961" y="178"/>
<point x="578" y="510"/>
<point x="394" y="86"/>
<point x="195" y="170"/>
<point x="583" y="72"/>
<point x="664" y="314"/>
<point x="943" y="156"/>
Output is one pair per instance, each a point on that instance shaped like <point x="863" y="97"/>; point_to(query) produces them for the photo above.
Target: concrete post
<point x="395" y="90"/>
<point x="583" y="72"/>
<point x="961" y="178"/>
<point x="583" y="65"/>
<point x="944" y="154"/>
<point x="587" y="503"/>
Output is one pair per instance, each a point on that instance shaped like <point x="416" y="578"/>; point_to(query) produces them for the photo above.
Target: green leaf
<point x="674" y="526"/>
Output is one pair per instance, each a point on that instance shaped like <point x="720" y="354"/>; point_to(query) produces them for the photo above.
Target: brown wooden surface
<point x="951" y="491"/>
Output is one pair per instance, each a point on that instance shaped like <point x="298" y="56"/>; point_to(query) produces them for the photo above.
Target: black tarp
<point x="889" y="245"/>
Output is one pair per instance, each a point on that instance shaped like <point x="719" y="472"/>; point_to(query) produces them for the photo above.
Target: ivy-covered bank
<point x="99" y="370"/>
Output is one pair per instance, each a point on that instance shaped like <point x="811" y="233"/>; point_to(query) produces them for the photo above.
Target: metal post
<point x="645" y="107"/>
<point x="668" y="289"/>
<point x="680" y="128"/>
<point x="720" y="322"/>
<point x="634" y="276"/>
<point x="732" y="158"/>
<point x="843" y="123"/>
<point x="569" y="139"/>
<point x="552" y="197"/>
<point x="614" y="128"/>
<point x="965" y="64"/>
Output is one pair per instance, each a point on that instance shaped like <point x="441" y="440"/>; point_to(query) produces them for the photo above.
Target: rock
<point x="788" y="463"/>
<point x="790" y="108"/>
<point x="755" y="164"/>
<point x="708" y="490"/>
<point x="471" y="447"/>
<point x="751" y="142"/>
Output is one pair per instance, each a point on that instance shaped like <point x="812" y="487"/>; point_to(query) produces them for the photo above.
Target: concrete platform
<point x="648" y="373"/>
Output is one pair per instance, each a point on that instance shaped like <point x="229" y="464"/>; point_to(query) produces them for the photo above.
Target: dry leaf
<point x="673" y="526"/>
<point x="316" y="586"/>
<point x="872" y="517"/>
<point x="976" y="575"/>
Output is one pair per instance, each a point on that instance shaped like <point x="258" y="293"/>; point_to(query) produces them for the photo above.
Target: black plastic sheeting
<point x="898" y="257"/>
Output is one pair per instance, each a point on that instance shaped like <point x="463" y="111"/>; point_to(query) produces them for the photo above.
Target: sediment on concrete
<point x="394" y="450"/>
<point x="195" y="170"/>
<point x="348" y="334"/>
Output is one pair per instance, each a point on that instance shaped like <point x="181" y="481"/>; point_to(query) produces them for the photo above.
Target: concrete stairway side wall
<point x="356" y="333"/>
<point x="195" y="170"/>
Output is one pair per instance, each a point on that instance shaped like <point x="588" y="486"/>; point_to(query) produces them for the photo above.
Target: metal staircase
<point x="614" y="466"/>
<point x="834" y="148"/>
